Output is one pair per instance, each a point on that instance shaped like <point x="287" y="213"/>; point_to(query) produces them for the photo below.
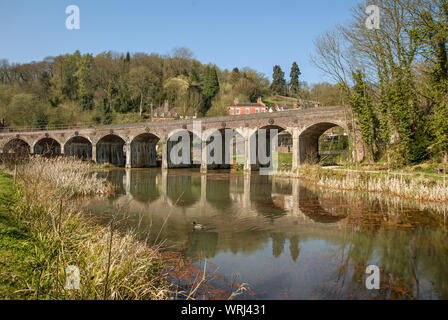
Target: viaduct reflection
<point x="246" y="215"/>
<point x="243" y="212"/>
<point x="262" y="195"/>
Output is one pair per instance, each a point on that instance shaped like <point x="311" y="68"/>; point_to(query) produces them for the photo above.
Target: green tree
<point x="142" y="82"/>
<point x="82" y="74"/>
<point x="278" y="81"/>
<point x="64" y="82"/>
<point x="361" y="104"/>
<point x="234" y="77"/>
<point x="210" y="88"/>
<point x="294" y="84"/>
<point x="19" y="109"/>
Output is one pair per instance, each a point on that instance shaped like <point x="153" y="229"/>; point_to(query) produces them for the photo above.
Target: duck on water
<point x="197" y="226"/>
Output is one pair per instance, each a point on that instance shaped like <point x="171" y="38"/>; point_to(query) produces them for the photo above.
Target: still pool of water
<point x="286" y="239"/>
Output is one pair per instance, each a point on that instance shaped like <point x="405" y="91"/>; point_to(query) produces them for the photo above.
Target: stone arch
<point x="309" y="140"/>
<point x="270" y="131"/>
<point x="239" y="131"/>
<point x="270" y="128"/>
<point x="144" y="150"/>
<point x="110" y="149"/>
<point x="195" y="148"/>
<point x="231" y="144"/>
<point x="238" y="145"/>
<point x="79" y="147"/>
<point x="48" y="147"/>
<point x="17" y="146"/>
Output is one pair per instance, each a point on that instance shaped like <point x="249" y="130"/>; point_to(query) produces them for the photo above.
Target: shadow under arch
<point x="230" y="145"/>
<point x="110" y="149"/>
<point x="17" y="146"/>
<point x="78" y="147"/>
<point x="144" y="151"/>
<point x="47" y="147"/>
<point x="193" y="143"/>
<point x="309" y="141"/>
<point x="271" y="132"/>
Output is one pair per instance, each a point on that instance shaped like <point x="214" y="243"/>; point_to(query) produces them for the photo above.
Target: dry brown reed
<point x="111" y="264"/>
<point x="405" y="186"/>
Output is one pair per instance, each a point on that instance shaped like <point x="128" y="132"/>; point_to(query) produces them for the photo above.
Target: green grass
<point x="16" y="251"/>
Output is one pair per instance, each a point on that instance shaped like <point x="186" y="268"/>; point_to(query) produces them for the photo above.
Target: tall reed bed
<point x="111" y="265"/>
<point x="406" y="186"/>
<point x="68" y="175"/>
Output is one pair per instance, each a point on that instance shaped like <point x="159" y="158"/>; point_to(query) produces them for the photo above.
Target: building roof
<point x="242" y="105"/>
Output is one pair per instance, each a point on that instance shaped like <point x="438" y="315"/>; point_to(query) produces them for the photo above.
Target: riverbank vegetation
<point x="44" y="232"/>
<point x="112" y="265"/>
<point x="410" y="186"/>
<point x="16" y="251"/>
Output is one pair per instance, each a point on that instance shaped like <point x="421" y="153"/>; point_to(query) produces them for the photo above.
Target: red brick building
<point x="252" y="108"/>
<point x="247" y="108"/>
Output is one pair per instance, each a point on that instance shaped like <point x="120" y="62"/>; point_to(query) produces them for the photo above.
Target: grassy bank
<point x="16" y="252"/>
<point x="43" y="232"/>
<point x="410" y="186"/>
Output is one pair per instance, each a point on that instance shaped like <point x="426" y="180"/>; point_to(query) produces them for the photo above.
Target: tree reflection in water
<point x="284" y="237"/>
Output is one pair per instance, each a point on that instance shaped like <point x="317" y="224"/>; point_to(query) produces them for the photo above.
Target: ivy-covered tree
<point x="361" y="104"/>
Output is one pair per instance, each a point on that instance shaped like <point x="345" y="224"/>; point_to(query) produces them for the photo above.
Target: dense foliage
<point x="394" y="78"/>
<point x="80" y="88"/>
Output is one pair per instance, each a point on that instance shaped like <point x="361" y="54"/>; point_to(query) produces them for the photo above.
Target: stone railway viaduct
<point x="134" y="145"/>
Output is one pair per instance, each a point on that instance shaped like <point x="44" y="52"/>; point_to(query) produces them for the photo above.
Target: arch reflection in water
<point x="183" y="190"/>
<point x="261" y="196"/>
<point x="281" y="236"/>
<point x="234" y="205"/>
<point x="144" y="185"/>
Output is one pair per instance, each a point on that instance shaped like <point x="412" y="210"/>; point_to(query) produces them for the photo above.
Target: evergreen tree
<point x="278" y="81"/>
<point x="210" y="88"/>
<point x="294" y="85"/>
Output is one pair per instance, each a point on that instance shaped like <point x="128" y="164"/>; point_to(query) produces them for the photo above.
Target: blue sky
<point x="254" y="33"/>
